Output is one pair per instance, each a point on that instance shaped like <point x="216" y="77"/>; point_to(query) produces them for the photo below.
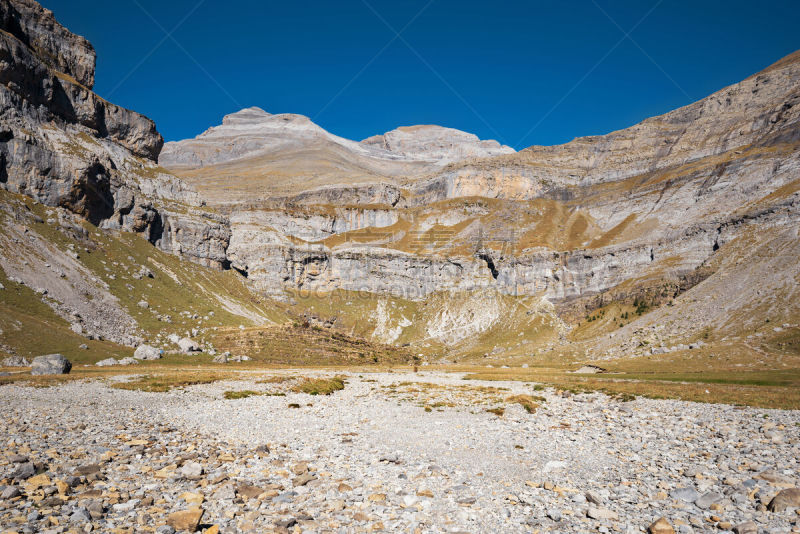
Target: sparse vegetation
<point x="169" y="380"/>
<point x="233" y="395"/>
<point x="526" y="401"/>
<point x="319" y="386"/>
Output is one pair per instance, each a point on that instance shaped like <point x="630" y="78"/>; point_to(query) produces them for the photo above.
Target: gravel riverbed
<point x="394" y="452"/>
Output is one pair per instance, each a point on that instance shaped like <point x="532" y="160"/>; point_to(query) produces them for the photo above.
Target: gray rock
<point x="593" y="497"/>
<point x="10" y="492"/>
<point x="748" y="527"/>
<point x="107" y="362"/>
<point x="554" y="514"/>
<point x="128" y="361"/>
<point x="143" y="304"/>
<point x="707" y="499"/>
<point x="165" y="529"/>
<point x="146" y="352"/>
<point x="24" y="471"/>
<point x="684" y="494"/>
<point x="16" y="361"/>
<point x="192" y="470"/>
<point x="220" y="358"/>
<point x="81" y="515"/>
<point x="51" y="364"/>
<point x="187" y="345"/>
<point x="601" y="513"/>
<point x="126" y="506"/>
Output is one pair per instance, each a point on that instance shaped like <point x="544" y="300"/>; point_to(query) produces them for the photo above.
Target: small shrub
<point x="499" y="411"/>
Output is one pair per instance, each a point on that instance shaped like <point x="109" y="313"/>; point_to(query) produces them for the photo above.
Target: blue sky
<point x="532" y="72"/>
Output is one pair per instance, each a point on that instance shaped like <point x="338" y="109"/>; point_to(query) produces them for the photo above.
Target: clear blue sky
<point x="523" y="72"/>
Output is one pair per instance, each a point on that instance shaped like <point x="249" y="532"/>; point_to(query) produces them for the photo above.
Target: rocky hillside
<point x="678" y="229"/>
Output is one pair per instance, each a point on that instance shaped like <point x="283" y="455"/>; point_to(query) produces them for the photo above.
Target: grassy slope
<point x="30" y="326"/>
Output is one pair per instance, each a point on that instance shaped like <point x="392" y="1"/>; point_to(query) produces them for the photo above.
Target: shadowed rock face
<point x="65" y="146"/>
<point x="60" y="49"/>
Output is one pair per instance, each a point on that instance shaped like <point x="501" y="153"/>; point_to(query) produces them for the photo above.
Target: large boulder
<point x="188" y="345"/>
<point x="146" y="352"/>
<point x="51" y="364"/>
<point x="16" y="361"/>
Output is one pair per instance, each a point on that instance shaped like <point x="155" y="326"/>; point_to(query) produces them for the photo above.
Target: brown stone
<point x="192" y="498"/>
<point x="661" y="526"/>
<point x="185" y="519"/>
<point x="302" y="480"/>
<point x="249" y="492"/>
<point x="300" y="468"/>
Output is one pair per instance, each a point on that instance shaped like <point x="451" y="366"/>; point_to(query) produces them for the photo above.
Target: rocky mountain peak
<point x="428" y="141"/>
<point x="252" y="115"/>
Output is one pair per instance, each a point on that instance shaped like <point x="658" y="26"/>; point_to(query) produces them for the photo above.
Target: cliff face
<point x="67" y="148"/>
<point x="63" y="145"/>
<point x="37" y="28"/>
<point x="622" y="214"/>
<point x="565" y="221"/>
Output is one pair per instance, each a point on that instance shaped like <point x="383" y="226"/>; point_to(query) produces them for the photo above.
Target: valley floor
<point x="392" y="451"/>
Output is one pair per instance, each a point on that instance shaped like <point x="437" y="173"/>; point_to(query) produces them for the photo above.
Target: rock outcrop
<point x="36" y="26"/>
<point x="63" y="145"/>
<point x="437" y="143"/>
<point x="287" y="155"/>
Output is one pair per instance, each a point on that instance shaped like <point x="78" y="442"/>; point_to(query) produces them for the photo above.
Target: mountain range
<point x="679" y="231"/>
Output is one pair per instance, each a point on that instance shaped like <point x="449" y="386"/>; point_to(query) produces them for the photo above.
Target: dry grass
<point x="526" y="401"/>
<point x="168" y="380"/>
<point x="775" y="389"/>
<point x="276" y="379"/>
<point x="319" y="386"/>
<point x="305" y="345"/>
<point x="233" y="395"/>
